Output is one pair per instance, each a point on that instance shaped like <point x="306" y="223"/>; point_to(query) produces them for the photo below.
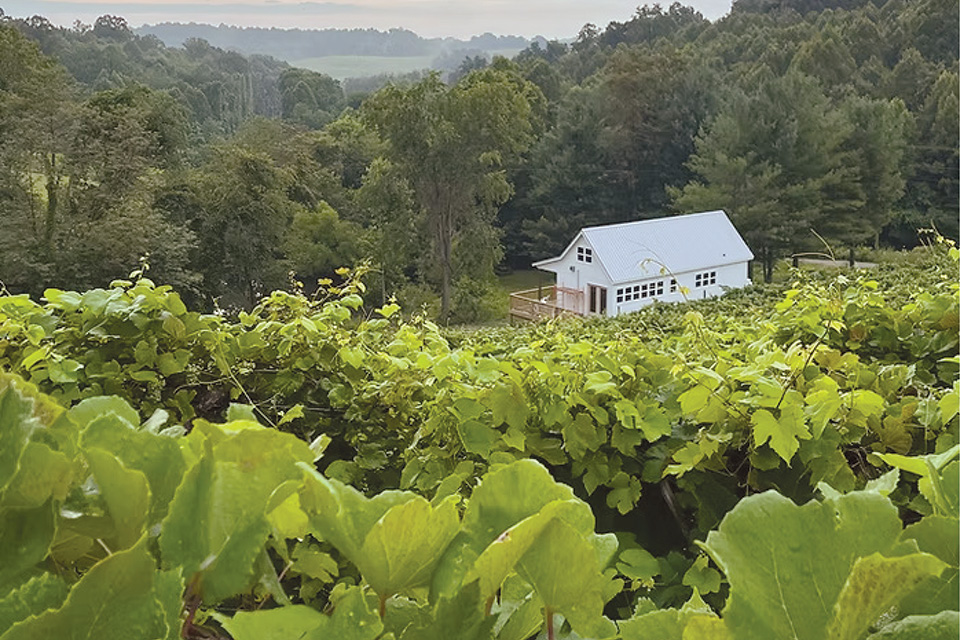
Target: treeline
<point x="812" y="128"/>
<point x="842" y="122"/>
<point x="297" y="44"/>
<point x="218" y="89"/>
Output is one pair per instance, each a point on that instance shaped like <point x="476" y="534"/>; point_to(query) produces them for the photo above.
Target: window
<point x="640" y="291"/>
<point x="673" y="285"/>
<point x="584" y="254"/>
<point x="705" y="279"/>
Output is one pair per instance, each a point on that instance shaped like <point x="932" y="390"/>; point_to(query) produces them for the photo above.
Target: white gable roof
<point x="635" y="250"/>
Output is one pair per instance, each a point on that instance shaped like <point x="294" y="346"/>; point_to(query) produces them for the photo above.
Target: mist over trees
<point x="296" y="44"/>
<point x="231" y="175"/>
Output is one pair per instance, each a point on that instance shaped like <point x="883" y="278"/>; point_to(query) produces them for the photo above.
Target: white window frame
<point x="705" y="279"/>
<point x="640" y="291"/>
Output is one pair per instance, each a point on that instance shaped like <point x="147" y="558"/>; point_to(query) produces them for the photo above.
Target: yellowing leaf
<point x="876" y="584"/>
<point x="783" y="433"/>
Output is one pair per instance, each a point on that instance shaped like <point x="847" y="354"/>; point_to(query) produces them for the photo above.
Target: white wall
<point x="728" y="276"/>
<point x="573" y="274"/>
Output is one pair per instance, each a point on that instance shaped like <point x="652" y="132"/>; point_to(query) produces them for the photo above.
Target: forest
<point x="227" y="174"/>
<point x="248" y="390"/>
<point x="296" y="44"/>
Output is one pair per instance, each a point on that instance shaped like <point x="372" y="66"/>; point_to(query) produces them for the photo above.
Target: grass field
<point x="341" y="67"/>
<point x="526" y="279"/>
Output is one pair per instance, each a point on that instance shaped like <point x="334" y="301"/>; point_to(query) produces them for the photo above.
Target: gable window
<point x="705" y="279"/>
<point x="584" y="254"/>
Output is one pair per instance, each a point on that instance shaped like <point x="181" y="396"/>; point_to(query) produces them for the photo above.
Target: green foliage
<point x="352" y="619"/>
<point x="124" y="591"/>
<point x="309" y="98"/>
<point x="835" y="546"/>
<point x="699" y="405"/>
<point x="452" y="144"/>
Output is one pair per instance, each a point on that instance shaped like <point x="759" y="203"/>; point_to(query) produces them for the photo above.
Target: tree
<point x="774" y="159"/>
<point x="571" y="181"/>
<point x="309" y="98"/>
<point x="38" y="118"/>
<point x="318" y="242"/>
<point x="654" y="105"/>
<point x="76" y="180"/>
<point x="242" y="222"/>
<point x="452" y="144"/>
<point x="878" y="148"/>
<point x="393" y="229"/>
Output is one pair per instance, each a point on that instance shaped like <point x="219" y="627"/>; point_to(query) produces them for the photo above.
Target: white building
<point x="620" y="268"/>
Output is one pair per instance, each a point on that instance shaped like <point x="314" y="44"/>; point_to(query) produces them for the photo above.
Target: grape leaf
<point x="85" y="412"/>
<point x="42" y="474"/>
<point x="126" y="494"/>
<point x="115" y="595"/>
<point x="217" y="522"/>
<point x="25" y="539"/>
<point x="943" y="626"/>
<point x="563" y="566"/>
<point x="16" y="425"/>
<point x="342" y="515"/>
<point x="783" y="432"/>
<point x="159" y="458"/>
<point x="505" y="497"/>
<point x="402" y="548"/>
<point x="936" y="535"/>
<point x="458" y="617"/>
<point x="352" y="619"/>
<point x="875" y="584"/>
<point x="787" y="565"/>
<point x="501" y="556"/>
<point x="43" y="592"/>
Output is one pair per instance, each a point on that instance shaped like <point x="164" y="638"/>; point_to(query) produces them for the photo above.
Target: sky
<point x="428" y="18"/>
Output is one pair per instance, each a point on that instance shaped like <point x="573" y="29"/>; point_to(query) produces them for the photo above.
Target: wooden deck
<point x="545" y="302"/>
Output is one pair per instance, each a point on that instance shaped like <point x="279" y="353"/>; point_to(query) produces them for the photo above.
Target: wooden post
<point x="853" y="260"/>
<point x="796" y="262"/>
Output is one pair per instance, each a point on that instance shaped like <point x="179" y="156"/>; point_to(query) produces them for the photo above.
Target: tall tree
<point x="76" y="179"/>
<point x="655" y="103"/>
<point x="309" y="98"/>
<point x="877" y="147"/>
<point x="244" y="213"/>
<point x="452" y="143"/>
<point x="774" y="160"/>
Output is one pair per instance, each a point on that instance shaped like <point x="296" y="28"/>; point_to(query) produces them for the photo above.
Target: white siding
<point x="628" y="256"/>
<point x="727" y="276"/>
<point x="574" y="274"/>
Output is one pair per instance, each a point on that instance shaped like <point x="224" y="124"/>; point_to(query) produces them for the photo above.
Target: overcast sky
<point x="429" y="18"/>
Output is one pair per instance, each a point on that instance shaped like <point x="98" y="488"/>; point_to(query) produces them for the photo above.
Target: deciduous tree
<point x="452" y="143"/>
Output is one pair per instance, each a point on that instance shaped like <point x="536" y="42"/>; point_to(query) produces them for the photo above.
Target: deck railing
<point x="546" y="302"/>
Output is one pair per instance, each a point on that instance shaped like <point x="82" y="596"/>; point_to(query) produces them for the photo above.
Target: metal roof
<point x="677" y="244"/>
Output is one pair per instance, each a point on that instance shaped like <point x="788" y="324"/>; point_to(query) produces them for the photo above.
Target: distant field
<point x="341" y="67"/>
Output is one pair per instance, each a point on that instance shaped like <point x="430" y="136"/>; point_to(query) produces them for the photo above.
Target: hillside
<point x="343" y="53"/>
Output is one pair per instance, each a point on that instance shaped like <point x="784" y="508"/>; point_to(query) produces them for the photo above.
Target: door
<point x="598" y="299"/>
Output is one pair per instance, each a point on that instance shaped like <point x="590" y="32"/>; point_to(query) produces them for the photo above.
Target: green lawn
<point x="526" y="279"/>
